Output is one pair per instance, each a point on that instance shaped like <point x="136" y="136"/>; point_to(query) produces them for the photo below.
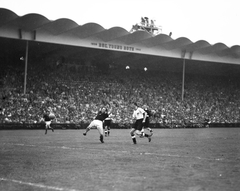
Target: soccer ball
<point x="51" y="116"/>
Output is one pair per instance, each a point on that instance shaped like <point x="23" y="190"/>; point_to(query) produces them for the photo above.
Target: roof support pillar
<point x="25" y="71"/>
<point x="183" y="78"/>
<point x="183" y="73"/>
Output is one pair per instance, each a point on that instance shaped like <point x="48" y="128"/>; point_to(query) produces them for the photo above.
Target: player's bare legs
<point x="48" y="126"/>
<point x="98" y="123"/>
<point x="46" y="129"/>
<point x="148" y="136"/>
<point x="150" y="130"/>
<point x="143" y="134"/>
<point x="87" y="129"/>
<point x="132" y="133"/>
<point x="107" y="131"/>
<point x="101" y="138"/>
<point x="100" y="130"/>
<point x="51" y="128"/>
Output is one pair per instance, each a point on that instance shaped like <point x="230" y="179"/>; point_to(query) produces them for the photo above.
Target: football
<point x="51" y="116"/>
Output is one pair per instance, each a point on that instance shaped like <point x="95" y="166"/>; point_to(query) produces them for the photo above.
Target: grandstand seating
<point x="76" y="95"/>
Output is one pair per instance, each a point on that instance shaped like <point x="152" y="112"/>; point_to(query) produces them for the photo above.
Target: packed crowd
<point x="76" y="96"/>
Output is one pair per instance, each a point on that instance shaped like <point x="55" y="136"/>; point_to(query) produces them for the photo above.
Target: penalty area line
<point x="36" y="185"/>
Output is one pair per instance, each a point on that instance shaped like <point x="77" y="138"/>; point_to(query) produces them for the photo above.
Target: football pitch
<point x="204" y="159"/>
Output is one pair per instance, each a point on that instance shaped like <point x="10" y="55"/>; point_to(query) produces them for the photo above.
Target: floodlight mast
<point x="147" y="26"/>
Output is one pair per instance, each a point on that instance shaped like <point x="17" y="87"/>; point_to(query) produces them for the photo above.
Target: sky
<point x="215" y="21"/>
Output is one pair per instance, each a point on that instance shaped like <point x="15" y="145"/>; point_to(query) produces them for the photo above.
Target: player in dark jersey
<point x="98" y="123"/>
<point x="206" y="122"/>
<point x="47" y="117"/>
<point x="107" y="124"/>
<point x="146" y="124"/>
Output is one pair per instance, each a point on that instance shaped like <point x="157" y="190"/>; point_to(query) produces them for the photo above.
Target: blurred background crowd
<point x="76" y="94"/>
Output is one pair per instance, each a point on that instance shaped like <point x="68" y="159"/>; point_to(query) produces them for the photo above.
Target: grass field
<point x="176" y="159"/>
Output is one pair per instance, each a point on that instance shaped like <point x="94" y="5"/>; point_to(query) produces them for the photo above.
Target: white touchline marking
<point x="146" y="153"/>
<point x="55" y="147"/>
<point x="36" y="185"/>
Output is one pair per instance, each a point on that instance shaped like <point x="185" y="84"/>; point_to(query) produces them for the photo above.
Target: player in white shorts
<point x="48" y="120"/>
<point x="98" y="123"/>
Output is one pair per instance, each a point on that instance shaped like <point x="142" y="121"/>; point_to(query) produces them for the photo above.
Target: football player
<point x="98" y="123"/>
<point x="139" y="115"/>
<point x="107" y="124"/>
<point x="146" y="124"/>
<point x="48" y="116"/>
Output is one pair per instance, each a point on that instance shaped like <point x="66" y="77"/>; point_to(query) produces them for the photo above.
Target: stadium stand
<point x="75" y="93"/>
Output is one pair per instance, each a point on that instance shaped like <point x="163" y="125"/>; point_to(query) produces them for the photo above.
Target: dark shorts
<point x="138" y="125"/>
<point x="107" y="123"/>
<point x="146" y="124"/>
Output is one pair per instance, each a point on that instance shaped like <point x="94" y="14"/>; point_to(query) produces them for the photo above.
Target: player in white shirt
<point x="139" y="115"/>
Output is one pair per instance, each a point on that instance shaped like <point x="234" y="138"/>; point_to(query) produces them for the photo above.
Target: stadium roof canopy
<point x="46" y="36"/>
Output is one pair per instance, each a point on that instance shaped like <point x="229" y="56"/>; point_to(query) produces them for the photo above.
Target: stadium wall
<point x="35" y="126"/>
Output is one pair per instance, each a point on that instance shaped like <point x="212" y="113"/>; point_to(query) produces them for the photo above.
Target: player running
<point x="140" y="116"/>
<point x="146" y="124"/>
<point x="47" y="117"/>
<point x="98" y="123"/>
<point x="107" y="124"/>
